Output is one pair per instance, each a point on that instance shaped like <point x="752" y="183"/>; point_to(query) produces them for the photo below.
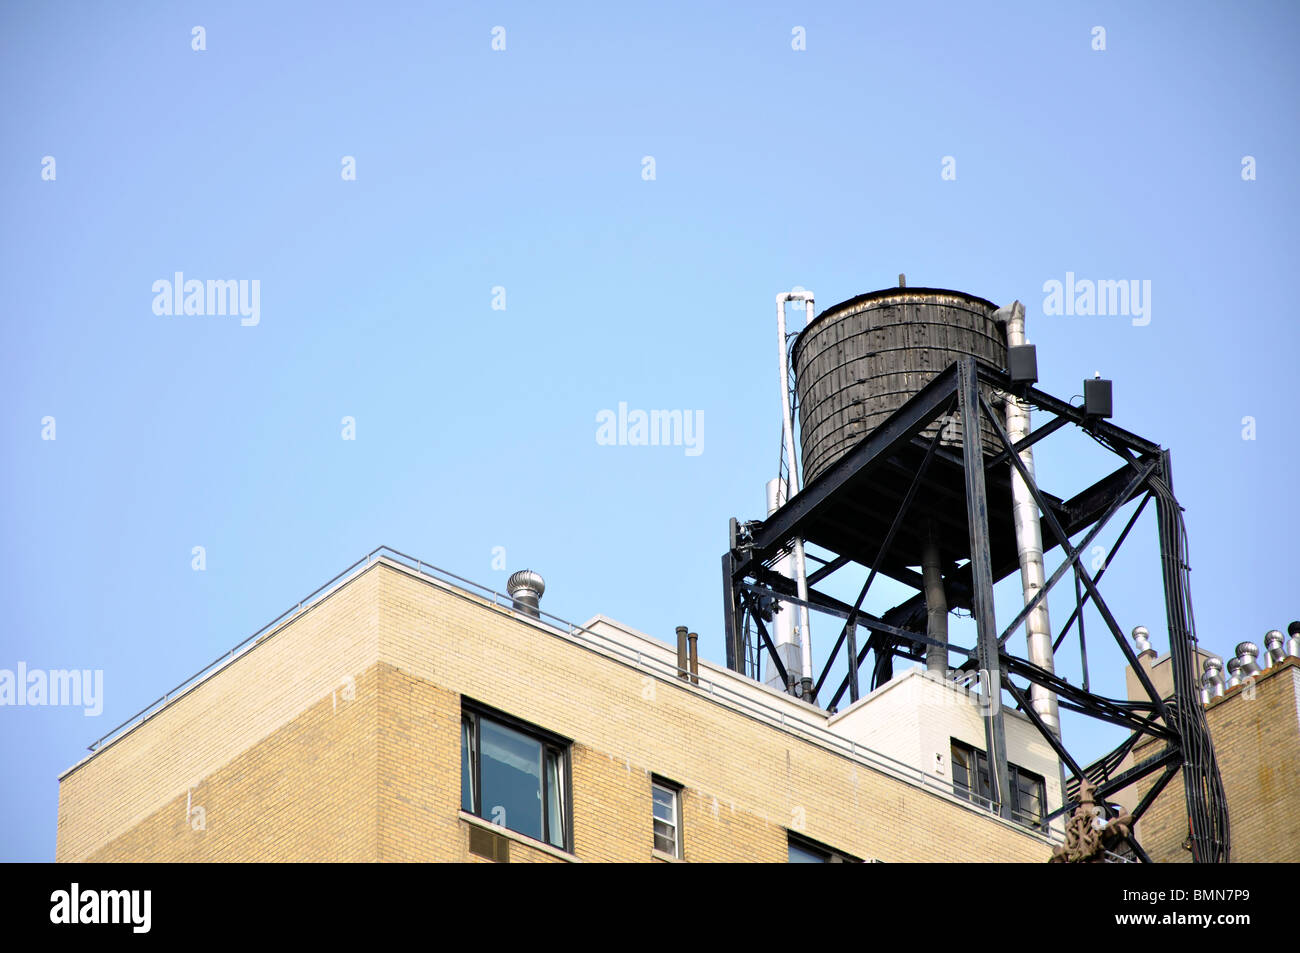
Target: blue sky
<point x="522" y="169"/>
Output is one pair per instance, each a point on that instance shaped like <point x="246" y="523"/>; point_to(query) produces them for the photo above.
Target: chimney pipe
<point x="936" y="606"/>
<point x="784" y="622"/>
<point x="1293" y="643"/>
<point x="792" y="468"/>
<point x="1029" y="538"/>
<point x="694" y="650"/>
<point x="1142" y="641"/>
<point x="1234" y="674"/>
<point x="1247" y="652"/>
<point x="526" y="588"/>
<point x="683" y="664"/>
<point x="1275" y="646"/>
<point x="1212" y="680"/>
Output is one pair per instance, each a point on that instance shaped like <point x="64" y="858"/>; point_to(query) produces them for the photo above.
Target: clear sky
<point x="524" y="169"/>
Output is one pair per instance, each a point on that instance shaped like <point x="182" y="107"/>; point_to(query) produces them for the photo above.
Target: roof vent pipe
<point x="1142" y="640"/>
<point x="526" y="588"/>
<point x="1247" y="652"/>
<point x="1275" y="646"/>
<point x="792" y="483"/>
<point x="694" y="651"/>
<point x="1234" y="674"/>
<point x="1029" y="537"/>
<point x="936" y="605"/>
<point x="683" y="664"/>
<point x="1293" y="643"/>
<point x="785" y="620"/>
<point x="1212" y="680"/>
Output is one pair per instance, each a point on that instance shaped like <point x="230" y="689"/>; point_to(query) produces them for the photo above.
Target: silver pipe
<point x="1293" y="640"/>
<point x="1142" y="642"/>
<point x="1029" y="538"/>
<point x="792" y="463"/>
<point x="1275" y="646"/>
<point x="1212" y="680"/>
<point x="1234" y="674"/>
<point x="526" y="588"/>
<point x="784" y="629"/>
<point x="1247" y="652"/>
<point x="936" y="605"/>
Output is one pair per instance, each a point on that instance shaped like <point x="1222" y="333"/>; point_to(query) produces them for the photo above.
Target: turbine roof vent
<point x="526" y="581"/>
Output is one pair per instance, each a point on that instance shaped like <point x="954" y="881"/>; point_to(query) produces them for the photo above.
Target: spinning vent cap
<point x="526" y="588"/>
<point x="1142" y="639"/>
<point x="526" y="581"/>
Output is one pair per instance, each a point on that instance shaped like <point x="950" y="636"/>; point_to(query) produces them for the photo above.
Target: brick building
<point x="399" y="716"/>
<point x="1255" y="727"/>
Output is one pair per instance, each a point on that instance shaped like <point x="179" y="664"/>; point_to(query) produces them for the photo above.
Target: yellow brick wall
<point x="306" y="792"/>
<point x="1257" y="745"/>
<point x="378" y="777"/>
<point x="260" y="691"/>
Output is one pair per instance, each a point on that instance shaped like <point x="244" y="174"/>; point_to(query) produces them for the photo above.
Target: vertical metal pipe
<point x="936" y="606"/>
<point x="792" y="463"/>
<point x="1029" y="539"/>
<point x="693" y="650"/>
<point x="785" y="634"/>
<point x="683" y="665"/>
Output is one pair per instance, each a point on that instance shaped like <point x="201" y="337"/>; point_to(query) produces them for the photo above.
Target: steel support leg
<point x="977" y="515"/>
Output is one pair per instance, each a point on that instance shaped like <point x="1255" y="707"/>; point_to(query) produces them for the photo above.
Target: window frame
<point x="977" y="763"/>
<point x="472" y="713"/>
<point x="829" y="855"/>
<point x="675" y="792"/>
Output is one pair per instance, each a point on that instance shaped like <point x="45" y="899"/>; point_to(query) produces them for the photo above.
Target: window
<point x="666" y="800"/>
<point x="515" y="775"/>
<point x="970" y="779"/>
<point x="806" y="851"/>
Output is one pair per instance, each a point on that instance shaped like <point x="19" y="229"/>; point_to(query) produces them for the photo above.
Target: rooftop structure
<point x="401" y="713"/>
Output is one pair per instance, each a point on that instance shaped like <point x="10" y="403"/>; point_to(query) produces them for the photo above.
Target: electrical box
<point x="1097" y="398"/>
<point x="1022" y="364"/>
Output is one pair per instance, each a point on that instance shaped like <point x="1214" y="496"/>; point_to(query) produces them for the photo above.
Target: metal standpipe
<point x="936" y="604"/>
<point x="792" y="463"/>
<point x="784" y="630"/>
<point x="1029" y="538"/>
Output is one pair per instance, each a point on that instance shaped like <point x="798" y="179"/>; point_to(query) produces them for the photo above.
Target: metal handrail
<point x="226" y="657"/>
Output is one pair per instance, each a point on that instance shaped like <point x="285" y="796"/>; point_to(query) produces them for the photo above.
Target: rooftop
<point x="615" y="641"/>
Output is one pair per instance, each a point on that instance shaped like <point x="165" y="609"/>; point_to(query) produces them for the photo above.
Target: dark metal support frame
<point x="747" y="580"/>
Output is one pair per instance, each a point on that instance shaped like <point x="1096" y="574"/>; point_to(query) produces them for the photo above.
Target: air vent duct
<point x="526" y="588"/>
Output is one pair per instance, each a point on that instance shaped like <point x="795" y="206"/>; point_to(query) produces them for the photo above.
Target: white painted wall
<point x="915" y="716"/>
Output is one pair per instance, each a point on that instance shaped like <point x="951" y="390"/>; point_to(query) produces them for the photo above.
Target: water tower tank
<point x="860" y="360"/>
